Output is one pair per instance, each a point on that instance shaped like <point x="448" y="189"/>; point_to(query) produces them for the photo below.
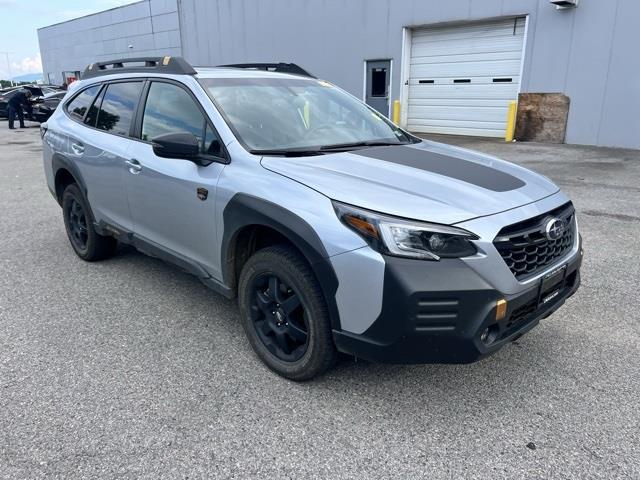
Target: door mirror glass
<point x="177" y="145"/>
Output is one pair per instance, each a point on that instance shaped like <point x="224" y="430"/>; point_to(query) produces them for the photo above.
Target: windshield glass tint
<point x="286" y="113"/>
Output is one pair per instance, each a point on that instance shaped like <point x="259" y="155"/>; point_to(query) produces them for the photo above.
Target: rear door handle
<point x="134" y="166"/>
<point x="77" y="148"/>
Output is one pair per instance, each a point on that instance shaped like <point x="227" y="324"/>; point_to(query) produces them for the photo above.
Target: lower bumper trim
<point x="403" y="338"/>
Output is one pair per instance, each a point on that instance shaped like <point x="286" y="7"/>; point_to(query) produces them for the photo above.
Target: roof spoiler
<point x="175" y="65"/>
<point x="290" y="68"/>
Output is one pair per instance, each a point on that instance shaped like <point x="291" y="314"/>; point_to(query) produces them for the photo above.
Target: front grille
<point x="533" y="309"/>
<point x="525" y="248"/>
<point x="523" y="312"/>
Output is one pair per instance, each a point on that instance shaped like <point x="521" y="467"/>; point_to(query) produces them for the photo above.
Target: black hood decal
<point x="453" y="167"/>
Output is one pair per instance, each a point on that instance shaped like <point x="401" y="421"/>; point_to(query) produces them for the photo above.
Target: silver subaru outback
<point x="336" y="230"/>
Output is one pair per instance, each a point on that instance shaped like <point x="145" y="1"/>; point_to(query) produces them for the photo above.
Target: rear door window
<point x="80" y="104"/>
<point x="118" y="107"/>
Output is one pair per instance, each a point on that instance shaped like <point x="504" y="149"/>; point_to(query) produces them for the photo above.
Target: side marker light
<point x="501" y="309"/>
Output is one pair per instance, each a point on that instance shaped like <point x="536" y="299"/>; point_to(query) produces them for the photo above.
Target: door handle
<point x="134" y="166"/>
<point x="77" y="148"/>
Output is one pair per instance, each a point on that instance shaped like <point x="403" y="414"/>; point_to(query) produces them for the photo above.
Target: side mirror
<point x="177" y="145"/>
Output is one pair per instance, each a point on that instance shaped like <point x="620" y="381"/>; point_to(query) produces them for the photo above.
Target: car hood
<point x="426" y="181"/>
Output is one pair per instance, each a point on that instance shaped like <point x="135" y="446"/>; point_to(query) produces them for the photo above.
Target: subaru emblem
<point x="554" y="229"/>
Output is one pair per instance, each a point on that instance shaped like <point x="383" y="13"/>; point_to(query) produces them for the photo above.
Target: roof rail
<point x="175" y="65"/>
<point x="290" y="68"/>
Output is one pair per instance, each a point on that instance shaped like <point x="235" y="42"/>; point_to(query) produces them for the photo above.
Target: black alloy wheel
<point x="88" y="244"/>
<point x="279" y="317"/>
<point x="78" y="232"/>
<point x="284" y="313"/>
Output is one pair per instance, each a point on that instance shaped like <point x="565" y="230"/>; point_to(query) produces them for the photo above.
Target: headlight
<point x="406" y="238"/>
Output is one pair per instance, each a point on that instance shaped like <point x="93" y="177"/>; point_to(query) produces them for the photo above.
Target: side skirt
<point x="157" y="251"/>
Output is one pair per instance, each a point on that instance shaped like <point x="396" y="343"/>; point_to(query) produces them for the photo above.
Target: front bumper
<point x="448" y="314"/>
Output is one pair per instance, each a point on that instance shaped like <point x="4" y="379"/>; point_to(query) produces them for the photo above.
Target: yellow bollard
<point x="396" y="112"/>
<point x="511" y="121"/>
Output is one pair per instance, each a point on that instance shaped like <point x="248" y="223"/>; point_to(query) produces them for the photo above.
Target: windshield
<point x="290" y="114"/>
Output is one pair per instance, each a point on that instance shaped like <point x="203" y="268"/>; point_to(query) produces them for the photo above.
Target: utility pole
<point x="6" y="54"/>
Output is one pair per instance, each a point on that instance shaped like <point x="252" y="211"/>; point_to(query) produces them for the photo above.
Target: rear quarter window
<point x="78" y="107"/>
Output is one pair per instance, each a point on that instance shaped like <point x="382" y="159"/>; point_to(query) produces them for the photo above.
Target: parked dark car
<point x="38" y="93"/>
<point x="43" y="109"/>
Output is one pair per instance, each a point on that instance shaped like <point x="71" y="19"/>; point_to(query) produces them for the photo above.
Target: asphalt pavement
<point x="129" y="368"/>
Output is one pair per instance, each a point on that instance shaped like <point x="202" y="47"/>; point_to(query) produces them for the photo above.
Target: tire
<point x="274" y="321"/>
<point x="78" y="222"/>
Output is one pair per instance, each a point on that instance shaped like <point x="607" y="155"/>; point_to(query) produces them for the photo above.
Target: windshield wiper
<point x="347" y="146"/>
<point x="288" y="152"/>
<point x="308" y="152"/>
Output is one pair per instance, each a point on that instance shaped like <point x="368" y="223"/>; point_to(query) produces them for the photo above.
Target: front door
<point x="378" y="80"/>
<point x="172" y="200"/>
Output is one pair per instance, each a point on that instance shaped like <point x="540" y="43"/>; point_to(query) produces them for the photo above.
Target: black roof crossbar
<point x="290" y="68"/>
<point x="175" y="65"/>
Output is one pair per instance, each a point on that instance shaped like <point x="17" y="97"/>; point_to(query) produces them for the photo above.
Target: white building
<point x="454" y="65"/>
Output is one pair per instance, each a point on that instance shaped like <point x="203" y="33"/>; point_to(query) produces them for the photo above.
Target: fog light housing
<point x="489" y="335"/>
<point x="484" y="336"/>
<point x="501" y="309"/>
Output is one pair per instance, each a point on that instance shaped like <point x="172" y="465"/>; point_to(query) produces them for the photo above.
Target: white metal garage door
<point x="463" y="77"/>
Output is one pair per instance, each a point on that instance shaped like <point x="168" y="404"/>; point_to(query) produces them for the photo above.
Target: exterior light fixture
<point x="564" y="4"/>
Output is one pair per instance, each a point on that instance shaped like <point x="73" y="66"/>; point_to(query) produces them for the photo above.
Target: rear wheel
<point x="284" y="314"/>
<point x="78" y="221"/>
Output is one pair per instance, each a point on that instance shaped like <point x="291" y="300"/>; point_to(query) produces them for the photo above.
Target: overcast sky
<point x="19" y="20"/>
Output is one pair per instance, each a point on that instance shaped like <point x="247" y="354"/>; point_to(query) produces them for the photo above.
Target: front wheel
<point x="284" y="314"/>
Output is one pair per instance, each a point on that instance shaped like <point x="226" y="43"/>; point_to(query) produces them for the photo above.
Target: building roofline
<point x="92" y="14"/>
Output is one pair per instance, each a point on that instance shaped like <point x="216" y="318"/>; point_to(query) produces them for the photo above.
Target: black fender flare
<point x="245" y="210"/>
<point x="59" y="162"/>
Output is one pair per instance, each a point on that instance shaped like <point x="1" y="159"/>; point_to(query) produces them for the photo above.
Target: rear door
<point x="100" y="148"/>
<point x="173" y="200"/>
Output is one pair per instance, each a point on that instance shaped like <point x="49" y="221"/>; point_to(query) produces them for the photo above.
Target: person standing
<point x="14" y="108"/>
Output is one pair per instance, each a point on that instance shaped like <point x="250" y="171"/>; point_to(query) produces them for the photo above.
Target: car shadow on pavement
<point x="509" y="366"/>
